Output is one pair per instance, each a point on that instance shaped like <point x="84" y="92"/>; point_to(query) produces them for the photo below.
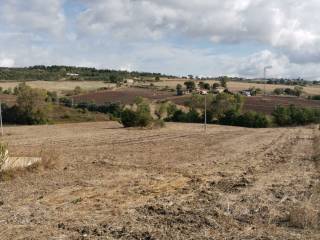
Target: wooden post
<point x="1" y="119"/>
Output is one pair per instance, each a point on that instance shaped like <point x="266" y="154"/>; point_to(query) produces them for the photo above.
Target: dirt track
<point x="171" y="183"/>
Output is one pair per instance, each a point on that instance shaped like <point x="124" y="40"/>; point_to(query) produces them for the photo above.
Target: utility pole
<point x="1" y="118"/>
<point x="205" y="113"/>
<point x="265" y="77"/>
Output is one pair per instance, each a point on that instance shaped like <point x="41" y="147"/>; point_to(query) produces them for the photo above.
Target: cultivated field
<point x="265" y="104"/>
<point x="59" y="86"/>
<point x="238" y="86"/>
<point x="170" y="183"/>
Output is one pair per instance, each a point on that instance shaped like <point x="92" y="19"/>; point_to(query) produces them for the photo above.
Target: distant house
<point x="186" y="92"/>
<point x="246" y="93"/>
<point x="129" y="81"/>
<point x="73" y="74"/>
<point x="218" y="90"/>
<point x="203" y="92"/>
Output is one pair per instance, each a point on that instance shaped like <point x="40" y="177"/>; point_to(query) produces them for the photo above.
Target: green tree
<point x="77" y="90"/>
<point x="278" y="91"/>
<point x="190" y="85"/>
<point x="298" y="90"/>
<point x="223" y="103"/>
<point x="206" y="86"/>
<point x="161" y="110"/>
<point x="215" y="85"/>
<point x="179" y="89"/>
<point x="141" y="117"/>
<point x="31" y="105"/>
<point x="223" y="81"/>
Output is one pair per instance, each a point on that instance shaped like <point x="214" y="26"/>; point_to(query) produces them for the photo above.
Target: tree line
<point x="53" y="73"/>
<point x="33" y="106"/>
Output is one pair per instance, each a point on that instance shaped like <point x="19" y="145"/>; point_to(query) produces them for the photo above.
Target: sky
<point x="179" y="37"/>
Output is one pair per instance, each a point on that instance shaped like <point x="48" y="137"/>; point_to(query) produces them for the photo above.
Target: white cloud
<point x="6" y="62"/>
<point x="288" y="25"/>
<point x="170" y="36"/>
<point x="33" y="15"/>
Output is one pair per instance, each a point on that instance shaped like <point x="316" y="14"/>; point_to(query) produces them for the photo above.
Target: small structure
<point x="186" y="92"/>
<point x="129" y="81"/>
<point x="246" y="93"/>
<point x="73" y="74"/>
<point x="10" y="163"/>
<point x="203" y="92"/>
<point x="218" y="90"/>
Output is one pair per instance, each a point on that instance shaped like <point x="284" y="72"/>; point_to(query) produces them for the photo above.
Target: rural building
<point x="73" y="74"/>
<point x="219" y="90"/>
<point x="129" y="81"/>
<point x="246" y="93"/>
<point x="203" y="92"/>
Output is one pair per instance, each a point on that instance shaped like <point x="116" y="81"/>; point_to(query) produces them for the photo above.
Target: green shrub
<point x="253" y="120"/>
<point x="249" y="119"/>
<point x="141" y="117"/>
<point x="130" y="118"/>
<point x="223" y="103"/>
<point x="31" y="107"/>
<point x="191" y="116"/>
<point x="179" y="90"/>
<point x="316" y="97"/>
<point x="292" y="115"/>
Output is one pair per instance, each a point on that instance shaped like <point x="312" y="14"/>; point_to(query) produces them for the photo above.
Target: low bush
<point x="31" y="107"/>
<point x="249" y="119"/>
<point x="140" y="117"/>
<point x="253" y="120"/>
<point x="130" y="118"/>
<point x="113" y="109"/>
<point x="188" y="117"/>
<point x="292" y="115"/>
<point x="296" y="91"/>
<point x="316" y="97"/>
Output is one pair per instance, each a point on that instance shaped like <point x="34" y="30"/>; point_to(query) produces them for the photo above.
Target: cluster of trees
<point x="295" y="116"/>
<point x="315" y="97"/>
<point x="52" y="73"/>
<point x="226" y="109"/>
<point x="32" y="106"/>
<point x="190" y="85"/>
<point x="223" y="109"/>
<point x="296" y="91"/>
<point x="290" y="82"/>
<point x="138" y="115"/>
<point x="249" y="119"/>
<point x="114" y="110"/>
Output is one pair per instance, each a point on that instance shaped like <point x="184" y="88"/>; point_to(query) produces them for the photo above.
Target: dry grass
<point x="316" y="146"/>
<point x="59" y="86"/>
<point x="169" y="183"/>
<point x="50" y="158"/>
<point x="305" y="216"/>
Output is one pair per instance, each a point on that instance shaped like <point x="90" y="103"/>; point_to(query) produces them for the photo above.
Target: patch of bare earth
<point x="170" y="183"/>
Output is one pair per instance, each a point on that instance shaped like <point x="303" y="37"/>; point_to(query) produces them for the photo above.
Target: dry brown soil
<point x="170" y="183"/>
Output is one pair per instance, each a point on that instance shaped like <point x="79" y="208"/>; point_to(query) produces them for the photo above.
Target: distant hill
<point x="54" y="73"/>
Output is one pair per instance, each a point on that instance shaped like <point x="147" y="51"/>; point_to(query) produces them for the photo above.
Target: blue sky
<point x="200" y="37"/>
